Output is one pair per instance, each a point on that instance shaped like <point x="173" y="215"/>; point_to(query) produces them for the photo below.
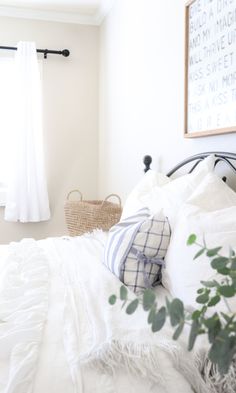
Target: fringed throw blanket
<point x="106" y="339"/>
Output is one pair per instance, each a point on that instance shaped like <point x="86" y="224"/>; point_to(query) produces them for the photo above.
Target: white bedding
<point x="60" y="335"/>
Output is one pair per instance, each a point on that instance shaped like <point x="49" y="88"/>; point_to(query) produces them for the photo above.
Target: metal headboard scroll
<point x="197" y="158"/>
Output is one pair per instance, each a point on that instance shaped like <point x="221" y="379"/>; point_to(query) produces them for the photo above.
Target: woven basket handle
<point x="112" y="195"/>
<point x="78" y="191"/>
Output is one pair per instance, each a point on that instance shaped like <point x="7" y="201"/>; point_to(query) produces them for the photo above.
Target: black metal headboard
<point x="220" y="156"/>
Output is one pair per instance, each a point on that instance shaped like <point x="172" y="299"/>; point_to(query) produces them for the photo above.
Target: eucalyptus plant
<point x="220" y="327"/>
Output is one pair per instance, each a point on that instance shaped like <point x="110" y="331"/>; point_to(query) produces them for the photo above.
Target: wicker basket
<point x="85" y="216"/>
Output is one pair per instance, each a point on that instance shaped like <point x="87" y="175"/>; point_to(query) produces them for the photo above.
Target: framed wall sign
<point x="210" y="67"/>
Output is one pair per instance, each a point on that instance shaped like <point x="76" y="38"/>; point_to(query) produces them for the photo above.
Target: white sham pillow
<point x="182" y="274"/>
<point x="157" y="191"/>
<point x="134" y="200"/>
<point x="213" y="194"/>
<point x="172" y="195"/>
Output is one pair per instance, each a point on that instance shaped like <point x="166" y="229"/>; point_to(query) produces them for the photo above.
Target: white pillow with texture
<point x="172" y="195"/>
<point x="182" y="274"/>
<point x="157" y="191"/>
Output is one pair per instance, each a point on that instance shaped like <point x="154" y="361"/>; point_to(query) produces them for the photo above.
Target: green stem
<point x="227" y="305"/>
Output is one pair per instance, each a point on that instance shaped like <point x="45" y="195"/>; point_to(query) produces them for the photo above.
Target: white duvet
<point x="59" y="334"/>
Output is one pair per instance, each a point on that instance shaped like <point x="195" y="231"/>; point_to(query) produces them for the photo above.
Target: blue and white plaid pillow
<point x="136" y="248"/>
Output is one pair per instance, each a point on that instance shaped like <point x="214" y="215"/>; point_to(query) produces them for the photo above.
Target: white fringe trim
<point x="144" y="360"/>
<point x="216" y="382"/>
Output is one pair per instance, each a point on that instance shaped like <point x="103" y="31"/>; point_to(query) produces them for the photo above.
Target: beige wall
<point x="142" y="93"/>
<point x="70" y="87"/>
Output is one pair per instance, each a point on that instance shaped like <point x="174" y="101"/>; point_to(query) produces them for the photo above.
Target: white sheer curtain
<point x="27" y="197"/>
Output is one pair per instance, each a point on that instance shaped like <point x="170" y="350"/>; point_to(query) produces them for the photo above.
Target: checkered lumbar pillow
<point x="136" y="247"/>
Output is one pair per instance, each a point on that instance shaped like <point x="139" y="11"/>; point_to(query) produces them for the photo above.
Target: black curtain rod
<point x="64" y="52"/>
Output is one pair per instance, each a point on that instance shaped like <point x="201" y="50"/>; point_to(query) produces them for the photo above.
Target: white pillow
<point x="168" y="195"/>
<point x="136" y="247"/>
<point x="182" y="274"/>
<point x="171" y="196"/>
<point x="133" y="202"/>
<point x="213" y="194"/>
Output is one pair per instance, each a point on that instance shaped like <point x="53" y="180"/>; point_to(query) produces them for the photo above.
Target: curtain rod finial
<point x="65" y="52"/>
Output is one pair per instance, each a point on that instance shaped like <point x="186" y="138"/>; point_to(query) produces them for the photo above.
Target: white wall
<point x="142" y="93"/>
<point x="70" y="87"/>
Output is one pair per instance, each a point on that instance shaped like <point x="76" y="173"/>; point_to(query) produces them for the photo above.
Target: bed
<point x="58" y="333"/>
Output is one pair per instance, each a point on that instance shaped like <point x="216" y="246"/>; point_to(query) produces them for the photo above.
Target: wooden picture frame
<point x="210" y="67"/>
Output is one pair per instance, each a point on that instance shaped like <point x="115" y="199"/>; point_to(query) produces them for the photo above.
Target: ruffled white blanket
<point x="61" y="335"/>
<point x="23" y="313"/>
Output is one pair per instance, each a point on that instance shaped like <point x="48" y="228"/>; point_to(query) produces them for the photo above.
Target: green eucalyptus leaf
<point x="222" y="351"/>
<point x="112" y="299"/>
<point x="199" y="253"/>
<point x="213" y="301"/>
<point x="159" y="320"/>
<point x="227" y="290"/>
<point x="225" y="271"/>
<point x="209" y="284"/>
<point x="213" y="251"/>
<point x="193" y="334"/>
<point x="202" y="299"/>
<point x="151" y="315"/>
<point x="213" y="325"/>
<point x="149" y="298"/>
<point x="196" y="314"/>
<point x="191" y="239"/>
<point x="176" y="312"/>
<point x="200" y="290"/>
<point x="211" y="321"/>
<point x="219" y="263"/>
<point x="123" y="293"/>
<point x="178" y="331"/>
<point x="132" y="307"/>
